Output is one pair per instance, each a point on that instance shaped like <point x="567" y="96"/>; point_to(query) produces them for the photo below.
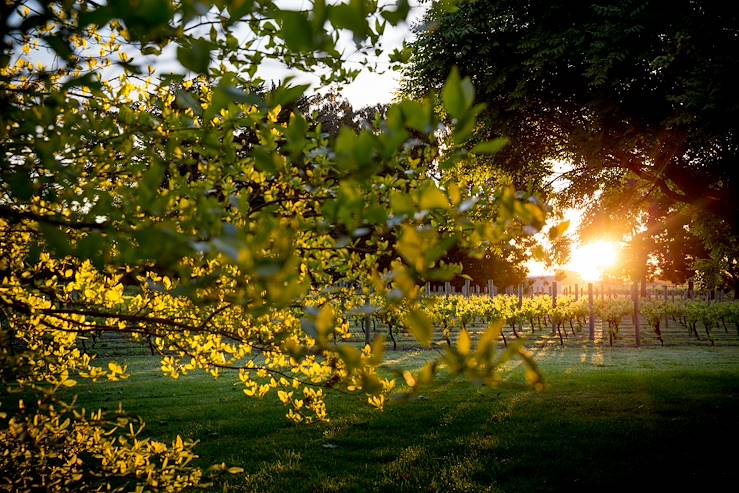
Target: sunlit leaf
<point x="420" y="326"/>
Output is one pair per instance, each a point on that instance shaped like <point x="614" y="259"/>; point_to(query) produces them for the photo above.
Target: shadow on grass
<point x="605" y="422"/>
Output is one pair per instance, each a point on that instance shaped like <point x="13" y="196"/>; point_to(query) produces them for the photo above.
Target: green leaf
<point x="444" y="272"/>
<point x="490" y="146"/>
<point x="56" y="239"/>
<point x="264" y="161"/>
<point x="320" y="14"/>
<point x="285" y="94"/>
<point x="195" y="55"/>
<point x="89" y="79"/>
<point x="59" y="45"/>
<point x="417" y="115"/>
<point x="297" y="31"/>
<point x="237" y="95"/>
<point x="345" y="145"/>
<point x="349" y="16"/>
<point x="90" y="247"/>
<point x="185" y="100"/>
<point x="449" y="6"/>
<point x="160" y="243"/>
<point x="457" y="94"/>
<point x="151" y="50"/>
<point x="21" y="184"/>
<point x="227" y="92"/>
<point x="238" y="8"/>
<point x="34" y="21"/>
<point x="152" y="178"/>
<point x="466" y="124"/>
<point x="401" y="55"/>
<point x="395" y="17"/>
<point x="142" y="15"/>
<point x="297" y="130"/>
<point x="420" y="326"/>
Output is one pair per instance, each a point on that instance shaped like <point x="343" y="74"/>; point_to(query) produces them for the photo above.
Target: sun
<point x="592" y="259"/>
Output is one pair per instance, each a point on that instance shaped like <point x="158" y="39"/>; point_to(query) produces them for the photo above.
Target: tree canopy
<point x="637" y="93"/>
<point x="185" y="206"/>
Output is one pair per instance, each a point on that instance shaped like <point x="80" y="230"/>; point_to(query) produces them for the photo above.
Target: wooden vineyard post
<point x="635" y="297"/>
<point x="367" y="322"/>
<point x="577" y="292"/>
<point x="554" y="305"/>
<point x="591" y="319"/>
<point x="520" y="295"/>
<point x="491" y="292"/>
<point x="428" y="288"/>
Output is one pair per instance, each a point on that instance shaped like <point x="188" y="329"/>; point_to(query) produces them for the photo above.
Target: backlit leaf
<point x="420" y="326"/>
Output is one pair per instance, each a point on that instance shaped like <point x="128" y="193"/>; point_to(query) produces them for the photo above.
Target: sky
<point x="369" y="88"/>
<point x="372" y="88"/>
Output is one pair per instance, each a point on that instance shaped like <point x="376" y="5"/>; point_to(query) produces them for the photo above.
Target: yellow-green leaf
<point x="488" y="339"/>
<point x="378" y="349"/>
<point x="464" y="343"/>
<point x="420" y="326"/>
<point x="558" y="230"/>
<point x="324" y="323"/>
<point x="432" y="198"/>
<point x="409" y="379"/>
<point x="410" y="245"/>
<point x="350" y="355"/>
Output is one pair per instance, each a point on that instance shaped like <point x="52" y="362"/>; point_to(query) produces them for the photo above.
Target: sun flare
<point x="593" y="259"/>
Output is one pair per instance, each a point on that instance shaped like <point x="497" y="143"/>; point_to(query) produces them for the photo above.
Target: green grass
<point x="609" y="419"/>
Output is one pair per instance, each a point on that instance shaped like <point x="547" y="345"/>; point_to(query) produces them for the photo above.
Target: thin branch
<point x="17" y="215"/>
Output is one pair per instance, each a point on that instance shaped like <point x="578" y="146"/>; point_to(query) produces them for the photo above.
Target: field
<point x="609" y="418"/>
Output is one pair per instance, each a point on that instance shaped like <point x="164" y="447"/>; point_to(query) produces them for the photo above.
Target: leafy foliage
<point x="192" y="212"/>
<point x="638" y="96"/>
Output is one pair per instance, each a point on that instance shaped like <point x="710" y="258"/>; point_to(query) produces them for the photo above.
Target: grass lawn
<point x="610" y="419"/>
